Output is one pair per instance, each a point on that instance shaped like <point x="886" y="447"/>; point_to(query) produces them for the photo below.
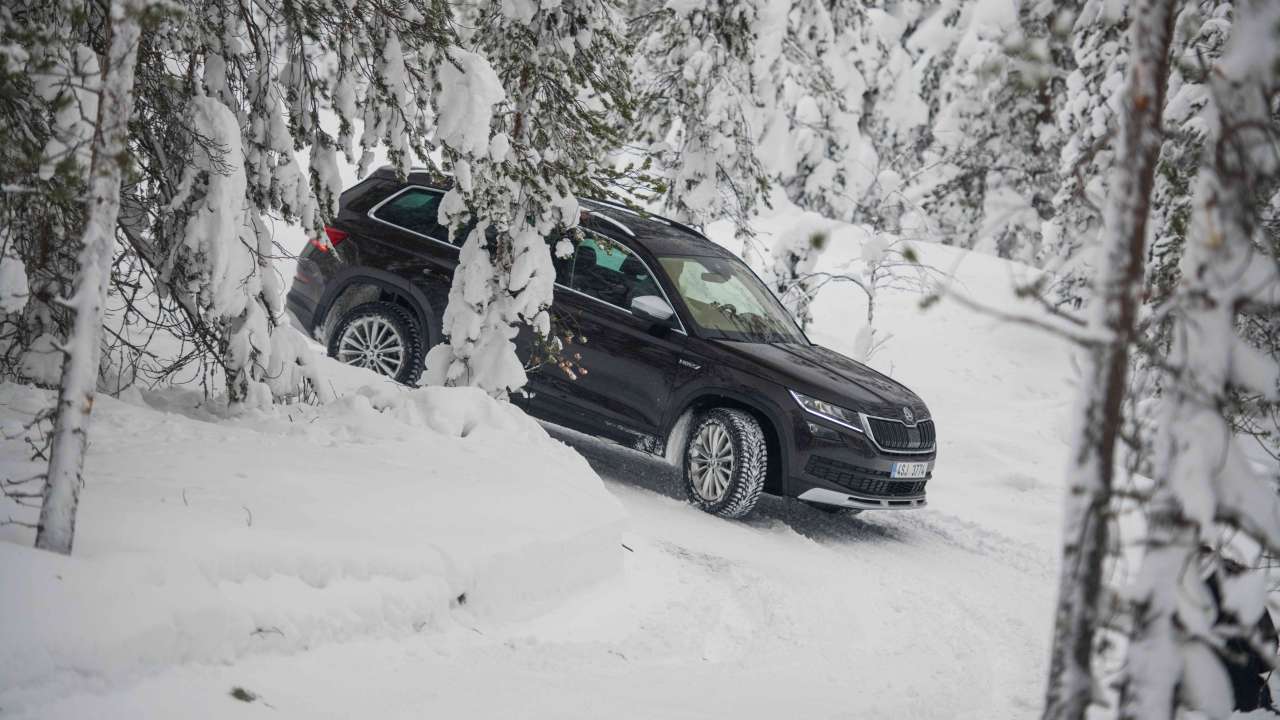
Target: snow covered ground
<point x="366" y="526"/>
<point x="206" y="539"/>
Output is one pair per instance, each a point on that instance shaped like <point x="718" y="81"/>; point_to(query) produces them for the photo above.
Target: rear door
<point x="622" y="368"/>
<point x="406" y="239"/>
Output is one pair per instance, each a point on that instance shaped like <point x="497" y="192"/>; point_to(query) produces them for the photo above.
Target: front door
<point x="622" y="367"/>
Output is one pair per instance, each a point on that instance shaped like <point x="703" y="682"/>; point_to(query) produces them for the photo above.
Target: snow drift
<point x="204" y="538"/>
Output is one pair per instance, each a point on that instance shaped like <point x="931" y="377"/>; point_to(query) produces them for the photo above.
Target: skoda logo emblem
<point x="907" y="415"/>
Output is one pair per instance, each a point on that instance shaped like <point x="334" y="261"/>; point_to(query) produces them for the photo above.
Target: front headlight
<point x="827" y="411"/>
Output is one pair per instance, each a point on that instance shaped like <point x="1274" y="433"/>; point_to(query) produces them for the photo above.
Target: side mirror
<point x="652" y="308"/>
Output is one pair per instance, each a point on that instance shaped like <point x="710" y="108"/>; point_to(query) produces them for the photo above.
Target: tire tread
<point x="751" y="463"/>
<point x="414" y="365"/>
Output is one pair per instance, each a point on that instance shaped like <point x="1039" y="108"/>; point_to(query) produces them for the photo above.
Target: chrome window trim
<point x="612" y="222"/>
<point x="370" y="214"/>
<point x="875" y="442"/>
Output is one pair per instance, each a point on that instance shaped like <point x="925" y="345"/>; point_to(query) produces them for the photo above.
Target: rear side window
<point x="415" y="210"/>
<point x="607" y="271"/>
<point x="366" y="194"/>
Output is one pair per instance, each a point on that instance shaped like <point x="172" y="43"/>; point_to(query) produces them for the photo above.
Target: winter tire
<point x="382" y="337"/>
<point x="725" y="462"/>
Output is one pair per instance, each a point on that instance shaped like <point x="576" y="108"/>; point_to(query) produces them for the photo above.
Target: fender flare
<point x="389" y="282"/>
<point x="774" y="415"/>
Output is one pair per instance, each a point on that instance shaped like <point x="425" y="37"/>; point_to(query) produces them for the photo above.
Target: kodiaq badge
<point x="907" y="415"/>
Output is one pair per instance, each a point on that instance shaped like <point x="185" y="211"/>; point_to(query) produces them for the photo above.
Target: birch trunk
<point x="1105" y="374"/>
<point x="56" y="531"/>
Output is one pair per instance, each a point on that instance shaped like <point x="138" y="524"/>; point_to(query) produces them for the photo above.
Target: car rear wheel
<point x="381" y="337"/>
<point x="725" y="462"/>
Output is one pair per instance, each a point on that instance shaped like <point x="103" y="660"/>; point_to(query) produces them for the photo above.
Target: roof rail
<point x="614" y="223"/>
<point x="620" y="206"/>
<point x="688" y="228"/>
<point x="650" y="216"/>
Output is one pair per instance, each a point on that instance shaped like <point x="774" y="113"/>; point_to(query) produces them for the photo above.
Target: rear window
<point x="415" y="210"/>
<point x="361" y="197"/>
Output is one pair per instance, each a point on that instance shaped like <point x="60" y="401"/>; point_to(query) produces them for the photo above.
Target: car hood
<point x="827" y="375"/>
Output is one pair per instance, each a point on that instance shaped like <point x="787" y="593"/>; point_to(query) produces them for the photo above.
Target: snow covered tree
<point x="107" y="167"/>
<point x="251" y="84"/>
<point x="1087" y="120"/>
<point x="1203" y="31"/>
<point x="994" y="145"/>
<point x="226" y="96"/>
<point x="890" y="95"/>
<point x="794" y="258"/>
<point x="561" y="91"/>
<point x="697" y="68"/>
<point x="48" y="108"/>
<point x="805" y="121"/>
<point x="1230" y="268"/>
<point x="1104" y="382"/>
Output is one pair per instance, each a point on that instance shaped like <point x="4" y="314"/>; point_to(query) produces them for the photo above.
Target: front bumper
<point x="835" y="465"/>
<point x="844" y="499"/>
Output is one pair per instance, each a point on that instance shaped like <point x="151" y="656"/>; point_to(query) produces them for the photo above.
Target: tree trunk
<point x="1202" y="484"/>
<point x="1105" y="375"/>
<point x="80" y="367"/>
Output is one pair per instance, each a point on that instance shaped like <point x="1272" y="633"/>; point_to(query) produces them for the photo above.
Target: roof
<point x="657" y="234"/>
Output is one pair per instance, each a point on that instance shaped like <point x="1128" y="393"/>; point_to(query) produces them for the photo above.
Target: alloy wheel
<point x="711" y="461"/>
<point x="373" y="343"/>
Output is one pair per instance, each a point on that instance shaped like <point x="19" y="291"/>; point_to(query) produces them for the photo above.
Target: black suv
<point x="687" y="353"/>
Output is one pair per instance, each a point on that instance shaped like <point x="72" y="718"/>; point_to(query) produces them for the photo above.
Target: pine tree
<point x="48" y="108"/>
<point x="200" y="217"/>
<point x="698" y="67"/>
<point x="562" y="71"/>
<point x="795" y="257"/>
<point x="994" y="141"/>
<point x="1204" y="483"/>
<point x="901" y="53"/>
<point x="804" y="143"/>
<point x="1087" y="121"/>
<point x="1205" y="27"/>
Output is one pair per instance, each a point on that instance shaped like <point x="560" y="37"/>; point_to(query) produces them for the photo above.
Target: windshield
<point x="728" y="302"/>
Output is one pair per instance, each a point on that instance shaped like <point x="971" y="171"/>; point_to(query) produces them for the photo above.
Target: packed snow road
<point x="893" y="614"/>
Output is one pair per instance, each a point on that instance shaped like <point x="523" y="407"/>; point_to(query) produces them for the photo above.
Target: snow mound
<point x="205" y="537"/>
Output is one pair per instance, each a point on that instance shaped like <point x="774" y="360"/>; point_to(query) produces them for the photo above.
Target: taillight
<point x="335" y="236"/>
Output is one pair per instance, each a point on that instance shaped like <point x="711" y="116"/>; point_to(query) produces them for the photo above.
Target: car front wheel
<point x="381" y="337"/>
<point x="725" y="462"/>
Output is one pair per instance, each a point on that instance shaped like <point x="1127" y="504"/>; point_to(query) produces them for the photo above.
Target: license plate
<point x="909" y="470"/>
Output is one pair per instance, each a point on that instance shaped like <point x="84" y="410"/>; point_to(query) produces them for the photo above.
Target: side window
<point x="608" y="271"/>
<point x="414" y="209"/>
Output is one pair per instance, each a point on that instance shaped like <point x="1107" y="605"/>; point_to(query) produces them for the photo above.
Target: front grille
<point x="897" y="437"/>
<point x="847" y="476"/>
